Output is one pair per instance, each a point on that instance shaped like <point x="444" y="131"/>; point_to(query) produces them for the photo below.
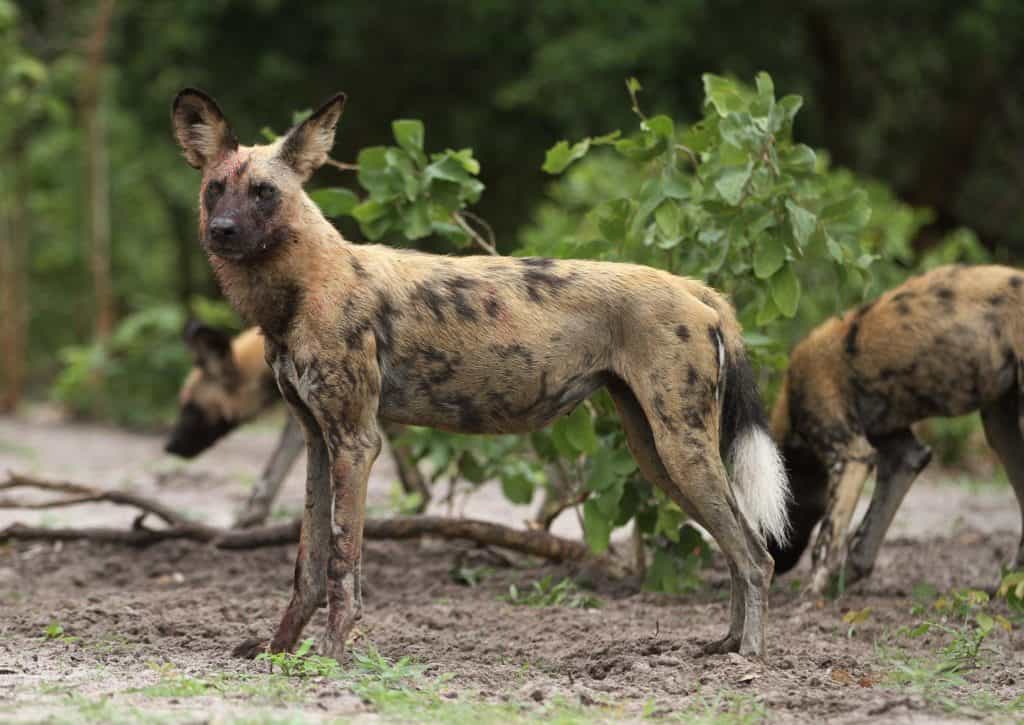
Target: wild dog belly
<point x="489" y="386"/>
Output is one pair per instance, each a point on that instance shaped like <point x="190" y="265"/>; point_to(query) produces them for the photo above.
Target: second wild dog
<point x="476" y="345"/>
<point x="945" y="343"/>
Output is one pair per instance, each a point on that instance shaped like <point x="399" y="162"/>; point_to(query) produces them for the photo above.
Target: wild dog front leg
<point x="350" y="469"/>
<point x="290" y="444"/>
<point x="310" y="583"/>
<point x="846" y="479"/>
<point x="901" y="457"/>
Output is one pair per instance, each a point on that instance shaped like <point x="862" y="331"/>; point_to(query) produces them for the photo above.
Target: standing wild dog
<point x="946" y="343"/>
<point x="478" y="345"/>
<point x="231" y="384"/>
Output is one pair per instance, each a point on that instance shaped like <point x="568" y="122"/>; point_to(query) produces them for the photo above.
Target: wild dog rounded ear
<point x="306" y="146"/>
<point x="211" y="349"/>
<point x="200" y="127"/>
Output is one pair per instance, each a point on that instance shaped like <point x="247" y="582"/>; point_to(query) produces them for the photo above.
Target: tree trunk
<point x="13" y="283"/>
<point x="96" y="181"/>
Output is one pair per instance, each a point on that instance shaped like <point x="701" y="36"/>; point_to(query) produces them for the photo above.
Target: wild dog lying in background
<point x="477" y="345"/>
<point x="231" y="384"/>
<point x="943" y="344"/>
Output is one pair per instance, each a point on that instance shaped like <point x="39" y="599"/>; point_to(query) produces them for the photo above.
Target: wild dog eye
<point x="216" y="188"/>
<point x="264" y="192"/>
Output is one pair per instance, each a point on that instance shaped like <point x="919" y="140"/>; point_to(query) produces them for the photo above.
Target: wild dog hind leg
<point x="846" y="476"/>
<point x="901" y="457"/>
<point x="641" y="443"/>
<point x="289" y="445"/>
<point x="1003" y="430"/>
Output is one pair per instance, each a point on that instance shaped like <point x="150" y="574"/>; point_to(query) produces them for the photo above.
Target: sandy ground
<point x="175" y="610"/>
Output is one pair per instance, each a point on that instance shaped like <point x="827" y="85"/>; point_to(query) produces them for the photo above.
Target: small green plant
<point x="1012" y="590"/>
<point x="470" y="576"/>
<point x="303" y="663"/>
<point x="548" y="593"/>
<point x="402" y="502"/>
<point x="55" y="631"/>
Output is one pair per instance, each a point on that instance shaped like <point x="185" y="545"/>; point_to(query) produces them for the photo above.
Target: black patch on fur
<point x="996" y="300"/>
<point x="426" y="294"/>
<point x="492" y="307"/>
<point x="1016" y="281"/>
<point x="278" y="310"/>
<point x="851" y="339"/>
<point x="900" y="296"/>
<point x="506" y="352"/>
<point x="865" y="308"/>
<point x="946" y="297"/>
<point x="357" y="267"/>
<point x="539" y="262"/>
<point x="683" y="333"/>
<point x="212" y="194"/>
<point x="384" y="323"/>
<point x="457" y="287"/>
<point x="538" y="279"/>
<point x="903" y="309"/>
<point x="242" y="168"/>
<point x="662" y="413"/>
<point x="692" y="377"/>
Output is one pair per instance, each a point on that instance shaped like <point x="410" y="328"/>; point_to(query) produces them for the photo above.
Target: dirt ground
<point x="141" y="627"/>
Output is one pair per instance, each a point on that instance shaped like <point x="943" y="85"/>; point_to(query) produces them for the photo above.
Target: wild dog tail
<point x="758" y="472"/>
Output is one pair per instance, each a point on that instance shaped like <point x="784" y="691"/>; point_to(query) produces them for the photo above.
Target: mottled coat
<point x="942" y="344"/>
<point x="476" y="345"/>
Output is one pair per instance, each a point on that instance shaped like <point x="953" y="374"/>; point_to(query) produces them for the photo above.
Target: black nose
<point x="223" y="227"/>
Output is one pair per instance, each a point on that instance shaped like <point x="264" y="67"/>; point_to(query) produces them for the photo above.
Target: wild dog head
<point x="229" y="385"/>
<point x="251" y="196"/>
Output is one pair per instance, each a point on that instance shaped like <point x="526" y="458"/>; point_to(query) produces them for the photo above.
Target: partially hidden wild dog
<point x="232" y="384"/>
<point x="477" y="345"/>
<point x="945" y="343"/>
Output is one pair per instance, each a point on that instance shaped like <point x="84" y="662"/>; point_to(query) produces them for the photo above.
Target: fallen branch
<point x="535" y="543"/>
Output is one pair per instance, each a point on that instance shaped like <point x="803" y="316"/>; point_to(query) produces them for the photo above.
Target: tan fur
<point x="477" y="345"/>
<point x="251" y="389"/>
<point x="942" y="344"/>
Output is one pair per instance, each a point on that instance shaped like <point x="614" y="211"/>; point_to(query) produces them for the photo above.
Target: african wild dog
<point x="478" y="345"/>
<point x="946" y="343"/>
<point x="231" y="384"/>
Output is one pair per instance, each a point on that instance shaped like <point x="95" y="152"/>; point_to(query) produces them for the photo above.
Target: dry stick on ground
<point x="535" y="543"/>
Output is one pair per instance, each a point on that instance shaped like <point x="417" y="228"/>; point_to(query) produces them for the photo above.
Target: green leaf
<point x="722" y="94"/>
<point x="560" y="155"/>
<point x="417" y="221"/>
<point x="579" y="430"/>
<point x="769" y="255"/>
<point x="375" y="175"/>
<point x="731" y="182"/>
<point x="849" y="216"/>
<point x="334" y="201"/>
<point x="662" y="126"/>
<point x="612" y="218"/>
<point x="798" y="159"/>
<point x="369" y="211"/>
<point x="409" y="134"/>
<point x="786" y="290"/>
<point x="597" y="528"/>
<point x="765" y="86"/>
<point x="802" y="221"/>
<point x="518" y="488"/>
<point x="668" y="217"/>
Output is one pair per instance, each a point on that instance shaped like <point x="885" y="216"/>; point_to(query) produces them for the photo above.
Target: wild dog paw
<point x="250" y="648"/>
<point x="729" y="643"/>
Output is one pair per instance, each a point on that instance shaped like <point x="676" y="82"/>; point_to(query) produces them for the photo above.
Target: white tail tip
<point x="762" y="488"/>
